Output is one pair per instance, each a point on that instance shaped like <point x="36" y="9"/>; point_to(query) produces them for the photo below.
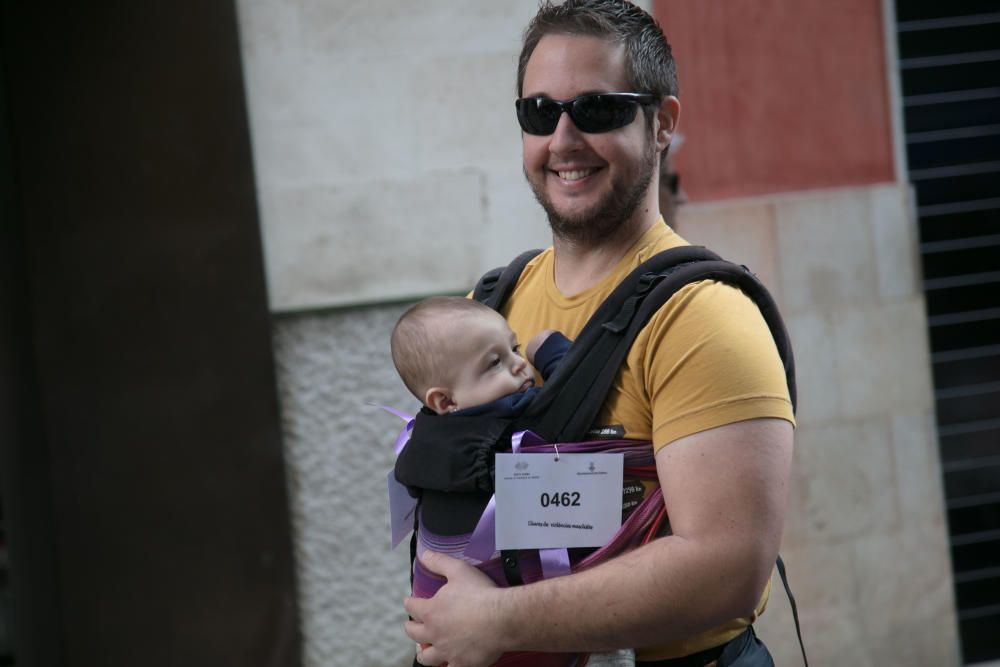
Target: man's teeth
<point x="575" y="175"/>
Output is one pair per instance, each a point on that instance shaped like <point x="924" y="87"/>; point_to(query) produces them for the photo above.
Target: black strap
<point x="571" y="399"/>
<point x="512" y="567"/>
<point x="413" y="546"/>
<point x="496" y="285"/>
<point x="795" y="609"/>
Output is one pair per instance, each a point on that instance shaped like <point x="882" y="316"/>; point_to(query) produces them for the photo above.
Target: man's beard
<point x="603" y="220"/>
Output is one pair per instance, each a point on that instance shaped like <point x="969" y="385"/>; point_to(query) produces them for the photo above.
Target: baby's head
<point x="454" y="353"/>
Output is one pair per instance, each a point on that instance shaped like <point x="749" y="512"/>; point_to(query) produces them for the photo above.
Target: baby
<point x="456" y="354"/>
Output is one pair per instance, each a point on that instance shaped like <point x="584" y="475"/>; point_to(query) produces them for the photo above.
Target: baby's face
<point x="487" y="360"/>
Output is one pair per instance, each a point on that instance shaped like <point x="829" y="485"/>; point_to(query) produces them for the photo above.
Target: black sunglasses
<point x="592" y="113"/>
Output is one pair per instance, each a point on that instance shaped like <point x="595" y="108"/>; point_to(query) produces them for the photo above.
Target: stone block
<point x="825" y="248"/>
<point x="925" y="641"/>
<point x="815" y="367"/>
<point x="387" y="240"/>
<point x="844" y="483"/>
<point x="460" y="122"/>
<point x="845" y="608"/>
<point x="397" y="27"/>
<point x="741" y="231"/>
<point x="894" y="234"/>
<point x="899" y="570"/>
<point x="919" y="477"/>
<point x="324" y="121"/>
<point x="882" y="358"/>
<point x="820" y="575"/>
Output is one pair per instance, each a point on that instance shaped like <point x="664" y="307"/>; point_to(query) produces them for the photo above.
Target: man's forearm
<point x="668" y="590"/>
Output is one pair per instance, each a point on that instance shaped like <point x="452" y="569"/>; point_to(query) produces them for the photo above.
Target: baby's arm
<point x="546" y="350"/>
<point x="535" y="343"/>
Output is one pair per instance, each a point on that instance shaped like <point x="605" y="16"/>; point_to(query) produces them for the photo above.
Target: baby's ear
<point x="439" y="400"/>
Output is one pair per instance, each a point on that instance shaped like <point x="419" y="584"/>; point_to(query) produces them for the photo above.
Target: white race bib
<point x="547" y="503"/>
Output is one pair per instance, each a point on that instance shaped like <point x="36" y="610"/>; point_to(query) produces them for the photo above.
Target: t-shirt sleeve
<point x="709" y="359"/>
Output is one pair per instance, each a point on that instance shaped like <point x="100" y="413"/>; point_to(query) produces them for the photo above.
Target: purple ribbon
<point x="555" y="562"/>
<point x="404" y="435"/>
<point x="483" y="543"/>
<point x="526" y="438"/>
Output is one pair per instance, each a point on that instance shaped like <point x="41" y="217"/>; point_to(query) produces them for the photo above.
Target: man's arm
<point x="725" y="490"/>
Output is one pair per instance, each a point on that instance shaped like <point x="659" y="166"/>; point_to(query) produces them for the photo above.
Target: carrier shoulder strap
<point x="565" y="409"/>
<point x="496" y="285"/>
<point x="570" y="400"/>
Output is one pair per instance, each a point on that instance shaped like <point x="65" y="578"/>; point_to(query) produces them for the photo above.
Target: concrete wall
<point x="373" y="192"/>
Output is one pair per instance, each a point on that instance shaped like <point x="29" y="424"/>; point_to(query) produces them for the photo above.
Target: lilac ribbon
<point x="483" y="543"/>
<point x="404" y="435"/>
<point x="526" y="438"/>
<point x="555" y="562"/>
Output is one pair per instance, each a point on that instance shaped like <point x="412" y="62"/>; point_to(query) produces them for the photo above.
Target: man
<point x="703" y="380"/>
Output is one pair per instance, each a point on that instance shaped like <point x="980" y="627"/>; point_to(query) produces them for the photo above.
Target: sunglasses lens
<point x="600" y="112"/>
<point x="538" y="115"/>
<point x="603" y="113"/>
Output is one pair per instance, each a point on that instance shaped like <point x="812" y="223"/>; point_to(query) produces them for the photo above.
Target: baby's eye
<point x="494" y="362"/>
<point x="516" y="350"/>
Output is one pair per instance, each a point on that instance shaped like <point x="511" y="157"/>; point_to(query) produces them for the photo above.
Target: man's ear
<point x="439" y="400"/>
<point x="666" y="121"/>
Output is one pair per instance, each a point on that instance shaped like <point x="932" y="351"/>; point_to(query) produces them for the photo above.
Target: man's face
<point x="588" y="184"/>
<point x="487" y="360"/>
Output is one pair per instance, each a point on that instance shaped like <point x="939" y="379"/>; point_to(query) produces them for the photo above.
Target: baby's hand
<point x="535" y="343"/>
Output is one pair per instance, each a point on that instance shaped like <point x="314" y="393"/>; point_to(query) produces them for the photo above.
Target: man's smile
<point x="575" y="174"/>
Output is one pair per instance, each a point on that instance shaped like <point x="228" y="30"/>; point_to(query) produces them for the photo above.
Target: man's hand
<point x="459" y="625"/>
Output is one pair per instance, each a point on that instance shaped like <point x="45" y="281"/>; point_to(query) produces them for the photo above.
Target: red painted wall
<point x="779" y="95"/>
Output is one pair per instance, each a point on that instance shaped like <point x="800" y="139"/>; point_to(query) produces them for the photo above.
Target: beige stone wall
<point x="865" y="539"/>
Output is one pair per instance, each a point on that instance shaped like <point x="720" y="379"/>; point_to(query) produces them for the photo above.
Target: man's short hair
<point x="649" y="62"/>
<point x="419" y="348"/>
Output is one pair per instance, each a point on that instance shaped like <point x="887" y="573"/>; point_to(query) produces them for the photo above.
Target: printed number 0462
<point x="563" y="499"/>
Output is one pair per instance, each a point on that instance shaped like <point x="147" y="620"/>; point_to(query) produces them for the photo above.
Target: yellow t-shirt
<point x="705" y="359"/>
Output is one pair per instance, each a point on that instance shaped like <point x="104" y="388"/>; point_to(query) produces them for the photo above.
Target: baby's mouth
<point x="528" y="384"/>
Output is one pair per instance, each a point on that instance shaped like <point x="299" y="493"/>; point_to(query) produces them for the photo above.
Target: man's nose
<point x="566" y="137"/>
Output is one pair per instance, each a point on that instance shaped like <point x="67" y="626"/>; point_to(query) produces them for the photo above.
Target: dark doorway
<point x="949" y="56"/>
<point x="144" y="501"/>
